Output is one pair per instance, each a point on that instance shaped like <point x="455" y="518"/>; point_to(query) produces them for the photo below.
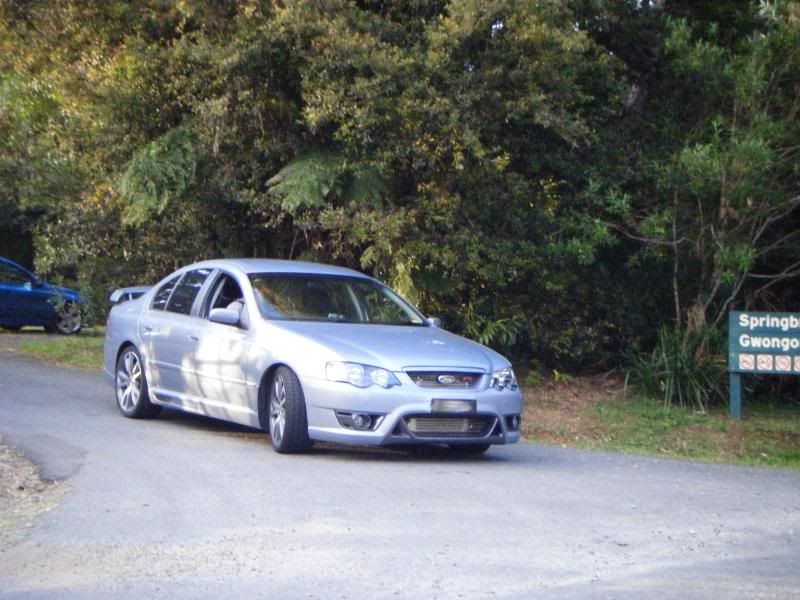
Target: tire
<point x="68" y="319"/>
<point x="130" y="386"/>
<point x="288" y="424"/>
<point x="467" y="450"/>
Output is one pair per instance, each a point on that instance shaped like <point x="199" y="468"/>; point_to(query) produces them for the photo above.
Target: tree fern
<point x="160" y="170"/>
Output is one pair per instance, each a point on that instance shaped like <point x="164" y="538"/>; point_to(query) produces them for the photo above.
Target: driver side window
<point x="9" y="274"/>
<point x="225" y="294"/>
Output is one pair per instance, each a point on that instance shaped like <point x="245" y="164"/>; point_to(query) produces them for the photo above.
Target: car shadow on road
<point x="397" y="453"/>
<point x="412" y="454"/>
<point x="204" y="423"/>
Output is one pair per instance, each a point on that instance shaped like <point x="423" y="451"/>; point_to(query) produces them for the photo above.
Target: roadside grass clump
<point x="84" y="350"/>
<point x="685" y="369"/>
<point x="769" y="435"/>
<point x="598" y="413"/>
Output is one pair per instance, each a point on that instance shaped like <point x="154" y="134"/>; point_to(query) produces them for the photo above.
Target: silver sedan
<point x="307" y="352"/>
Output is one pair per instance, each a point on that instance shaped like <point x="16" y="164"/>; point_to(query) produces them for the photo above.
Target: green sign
<point x="761" y="343"/>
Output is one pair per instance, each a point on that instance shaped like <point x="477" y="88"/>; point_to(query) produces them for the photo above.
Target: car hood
<point x="64" y="291"/>
<point x="396" y="347"/>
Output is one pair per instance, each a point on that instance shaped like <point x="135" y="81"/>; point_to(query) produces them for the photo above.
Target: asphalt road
<point x="188" y="507"/>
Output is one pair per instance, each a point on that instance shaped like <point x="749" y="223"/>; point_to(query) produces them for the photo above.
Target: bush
<point x="686" y="368"/>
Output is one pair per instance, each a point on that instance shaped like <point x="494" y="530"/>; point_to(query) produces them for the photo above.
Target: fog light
<point x="361" y="422"/>
<point x="513" y="422"/>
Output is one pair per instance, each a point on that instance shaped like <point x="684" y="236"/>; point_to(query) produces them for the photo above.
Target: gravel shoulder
<point x="24" y="494"/>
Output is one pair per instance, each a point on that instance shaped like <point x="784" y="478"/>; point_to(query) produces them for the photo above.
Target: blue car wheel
<point x="68" y="319"/>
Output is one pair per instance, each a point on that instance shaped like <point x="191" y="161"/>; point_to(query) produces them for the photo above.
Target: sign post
<point x="761" y="343"/>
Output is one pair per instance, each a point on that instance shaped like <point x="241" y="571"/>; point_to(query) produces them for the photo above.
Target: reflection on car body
<point x="307" y="352"/>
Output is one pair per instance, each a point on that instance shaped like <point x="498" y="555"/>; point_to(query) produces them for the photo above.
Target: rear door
<point x="154" y="327"/>
<point x="172" y="335"/>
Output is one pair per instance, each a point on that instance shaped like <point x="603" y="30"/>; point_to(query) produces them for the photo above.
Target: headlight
<point x="503" y="378"/>
<point x="360" y="375"/>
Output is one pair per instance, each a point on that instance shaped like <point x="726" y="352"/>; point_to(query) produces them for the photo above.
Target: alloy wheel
<point x="129" y="382"/>
<point x="69" y="318"/>
<point x="277" y="410"/>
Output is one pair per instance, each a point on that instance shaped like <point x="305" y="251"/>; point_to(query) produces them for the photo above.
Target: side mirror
<point x="225" y="316"/>
<point x="37" y="281"/>
<point x="434" y="321"/>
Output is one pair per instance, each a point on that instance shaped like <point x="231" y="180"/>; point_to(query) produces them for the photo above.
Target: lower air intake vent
<point x="450" y="427"/>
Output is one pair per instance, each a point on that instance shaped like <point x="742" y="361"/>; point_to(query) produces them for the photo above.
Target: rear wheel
<point x="133" y="397"/>
<point x="466" y="450"/>
<point x="288" y="424"/>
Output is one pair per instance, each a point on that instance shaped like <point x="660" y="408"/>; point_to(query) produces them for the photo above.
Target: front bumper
<point x="404" y="414"/>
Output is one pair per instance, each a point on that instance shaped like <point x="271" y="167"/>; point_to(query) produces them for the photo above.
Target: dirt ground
<point x="556" y="411"/>
<point x="23" y="493"/>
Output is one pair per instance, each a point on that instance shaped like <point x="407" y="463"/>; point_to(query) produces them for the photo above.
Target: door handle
<point x="148" y="328"/>
<point x="194" y="337"/>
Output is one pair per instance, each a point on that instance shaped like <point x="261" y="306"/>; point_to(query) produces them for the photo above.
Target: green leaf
<point x="322" y="177"/>
<point x="159" y="171"/>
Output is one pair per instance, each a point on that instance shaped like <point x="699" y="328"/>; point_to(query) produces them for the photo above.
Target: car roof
<point x="270" y="265"/>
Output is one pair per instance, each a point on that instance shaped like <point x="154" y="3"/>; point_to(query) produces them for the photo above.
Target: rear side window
<point x="163" y="293"/>
<point x="185" y="293"/>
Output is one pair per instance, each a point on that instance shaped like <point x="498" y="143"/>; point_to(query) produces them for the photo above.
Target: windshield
<point x="331" y="298"/>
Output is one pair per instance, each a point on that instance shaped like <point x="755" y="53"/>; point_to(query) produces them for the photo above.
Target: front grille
<point x="451" y="427"/>
<point x="445" y="379"/>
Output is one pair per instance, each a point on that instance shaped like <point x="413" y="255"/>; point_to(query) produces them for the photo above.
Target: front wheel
<point x="133" y="397"/>
<point x="68" y="319"/>
<point x="288" y="424"/>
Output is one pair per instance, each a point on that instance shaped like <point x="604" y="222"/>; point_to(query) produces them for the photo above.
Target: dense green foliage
<point x="555" y="178"/>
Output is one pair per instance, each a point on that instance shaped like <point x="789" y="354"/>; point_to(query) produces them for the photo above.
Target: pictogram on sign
<point x="747" y="362"/>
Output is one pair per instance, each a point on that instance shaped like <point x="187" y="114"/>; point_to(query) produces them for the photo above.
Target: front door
<point x="222" y="355"/>
<point x="22" y="299"/>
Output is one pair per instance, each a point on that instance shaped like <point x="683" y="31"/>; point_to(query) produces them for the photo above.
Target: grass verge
<point x="595" y="414"/>
<point x="84" y="350"/>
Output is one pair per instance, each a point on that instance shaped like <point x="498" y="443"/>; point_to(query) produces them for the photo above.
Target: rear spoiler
<point x="128" y="293"/>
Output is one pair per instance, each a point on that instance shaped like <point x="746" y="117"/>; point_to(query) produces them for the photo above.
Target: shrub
<point x="686" y="368"/>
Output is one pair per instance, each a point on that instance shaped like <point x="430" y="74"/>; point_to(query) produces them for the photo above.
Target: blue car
<point x="26" y="299"/>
